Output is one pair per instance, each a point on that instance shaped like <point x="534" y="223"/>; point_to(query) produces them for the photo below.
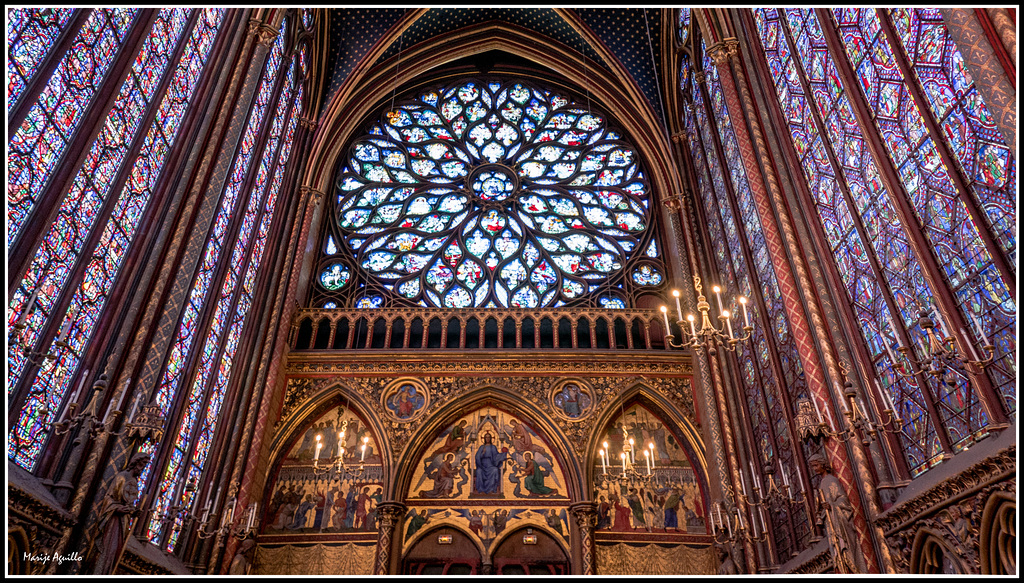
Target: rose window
<point x="493" y="194"/>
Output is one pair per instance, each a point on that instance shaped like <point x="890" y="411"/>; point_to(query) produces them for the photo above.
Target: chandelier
<point x="631" y="471"/>
<point x="708" y="336"/>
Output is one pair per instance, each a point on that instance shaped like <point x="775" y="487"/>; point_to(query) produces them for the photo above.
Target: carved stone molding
<point x="388" y="516"/>
<point x="819" y="563"/>
<point x="42" y="523"/>
<point x="950" y="511"/>
<point x="952" y="489"/>
<point x="133" y="564"/>
<point x="316" y="196"/>
<point x="482" y="367"/>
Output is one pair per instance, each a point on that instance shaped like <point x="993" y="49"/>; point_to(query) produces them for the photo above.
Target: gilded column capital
<point x="388" y="515"/>
<point x="585" y="514"/>
<point x="316" y="196"/>
<point x="673" y="202"/>
<point x="722" y="52"/>
<point x="309" y="124"/>
<point x="678" y="137"/>
<point x="265" y="34"/>
<point x="699" y="77"/>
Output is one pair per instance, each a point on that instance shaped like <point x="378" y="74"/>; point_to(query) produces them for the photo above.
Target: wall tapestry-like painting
<point x="330" y="481"/>
<point x="486" y="472"/>
<point x="665" y="498"/>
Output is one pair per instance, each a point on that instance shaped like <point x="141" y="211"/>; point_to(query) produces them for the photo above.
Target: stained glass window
<point x="31" y="33"/>
<point x="965" y="120"/>
<point x="899" y="267"/>
<point x="493" y="193"/>
<point x="253" y="212"/>
<point x="39" y="143"/>
<point x="683" y="30"/>
<point x="63" y="245"/>
<point x="939" y="209"/>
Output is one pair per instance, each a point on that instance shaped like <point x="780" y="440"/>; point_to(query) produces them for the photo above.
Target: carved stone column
<point x="388" y="516"/>
<point x="585" y="514"/>
<point x="767" y="196"/>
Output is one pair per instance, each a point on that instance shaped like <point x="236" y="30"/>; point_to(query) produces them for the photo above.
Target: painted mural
<point x="664" y="498"/>
<point x="486" y="472"/>
<point x="330" y="481"/>
<point x="571" y="400"/>
<point x="406" y="401"/>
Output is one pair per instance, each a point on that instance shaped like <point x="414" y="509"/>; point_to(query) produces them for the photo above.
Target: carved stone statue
<point x="243" y="558"/>
<point x="726" y="566"/>
<point x="115" y="516"/>
<point x="836" y="514"/>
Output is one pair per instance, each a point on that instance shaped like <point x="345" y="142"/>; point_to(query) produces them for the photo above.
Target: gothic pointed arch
<point x="998" y="535"/>
<point x="501" y="399"/>
<point x="932" y="553"/>
<point x="329" y="472"/>
<point x="669" y="493"/>
<point x="364" y="91"/>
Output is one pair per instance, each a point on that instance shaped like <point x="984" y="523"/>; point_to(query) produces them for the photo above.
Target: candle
<point x="362" y="452"/>
<point x="842" y="397"/>
<point x="664" y="313"/>
<point x="892" y="357"/>
<point x="341" y="443"/>
<point x="718" y="506"/>
<point x="970" y="344"/>
<point x="782" y="473"/>
<point x="830" y="424"/>
<point x="753" y="523"/>
<point x="728" y="322"/>
<point x="604" y="463"/>
<point x="693" y="331"/>
<point x="647" y="456"/>
<point x="942" y="323"/>
<point x="746" y="319"/>
<point x="67" y="328"/>
<point x="319" y="444"/>
<point x="623" y="456"/>
<point x="743" y="484"/>
<point x="816" y="410"/>
<point x="679" y="310"/>
<point x="30" y="306"/>
<point x="650" y="446"/>
<point x="799" y="478"/>
<point x="729" y="524"/>
<point x="718" y="298"/>
<point x="742" y="521"/>
<point x="632" y="452"/>
<point x="863" y="409"/>
<point x="981" y="332"/>
<point x="885" y="396"/>
<point x="135" y="405"/>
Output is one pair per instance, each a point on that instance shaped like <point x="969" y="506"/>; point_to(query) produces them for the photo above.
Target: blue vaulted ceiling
<point x="632" y="35"/>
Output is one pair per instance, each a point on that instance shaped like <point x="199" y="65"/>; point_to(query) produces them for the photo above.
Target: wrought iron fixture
<point x="709" y="335"/>
<point x="941" y="356"/>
